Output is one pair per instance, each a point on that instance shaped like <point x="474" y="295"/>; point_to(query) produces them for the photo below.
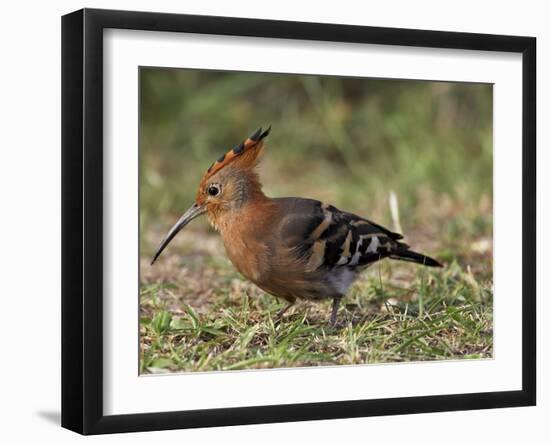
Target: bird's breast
<point x="248" y="257"/>
<point x="248" y="249"/>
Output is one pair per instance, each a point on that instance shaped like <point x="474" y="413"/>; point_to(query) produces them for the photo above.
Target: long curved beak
<point x="193" y="212"/>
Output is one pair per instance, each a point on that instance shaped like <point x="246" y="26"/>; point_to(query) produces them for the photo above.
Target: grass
<point x="346" y="142"/>
<point x="379" y="323"/>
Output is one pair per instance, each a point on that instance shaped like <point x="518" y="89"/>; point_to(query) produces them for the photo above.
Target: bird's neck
<point x="243" y="216"/>
<point x="247" y="205"/>
<point x="248" y="191"/>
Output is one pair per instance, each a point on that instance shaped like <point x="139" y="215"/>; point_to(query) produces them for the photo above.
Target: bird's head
<point x="227" y="184"/>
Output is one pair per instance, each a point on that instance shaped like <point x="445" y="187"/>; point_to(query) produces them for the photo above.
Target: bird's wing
<point x="326" y="237"/>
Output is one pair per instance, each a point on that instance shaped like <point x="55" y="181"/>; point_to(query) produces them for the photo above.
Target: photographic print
<point x="292" y="220"/>
<point x="257" y="208"/>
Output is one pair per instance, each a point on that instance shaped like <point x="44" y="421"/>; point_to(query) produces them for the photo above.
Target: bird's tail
<point x="415" y="257"/>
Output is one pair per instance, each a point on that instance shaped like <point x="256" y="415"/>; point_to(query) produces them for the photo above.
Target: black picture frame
<point x="82" y="220"/>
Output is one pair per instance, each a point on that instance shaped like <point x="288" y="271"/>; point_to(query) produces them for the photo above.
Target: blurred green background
<point x="347" y="141"/>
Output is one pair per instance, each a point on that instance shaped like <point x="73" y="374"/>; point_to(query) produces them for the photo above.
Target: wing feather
<point x="326" y="237"/>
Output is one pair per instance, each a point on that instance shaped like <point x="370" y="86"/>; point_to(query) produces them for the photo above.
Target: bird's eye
<point x="214" y="189"/>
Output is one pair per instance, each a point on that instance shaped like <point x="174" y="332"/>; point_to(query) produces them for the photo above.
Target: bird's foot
<point x="334" y="313"/>
<point x="281" y="312"/>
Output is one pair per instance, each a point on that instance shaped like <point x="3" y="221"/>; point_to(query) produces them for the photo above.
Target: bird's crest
<point x="246" y="153"/>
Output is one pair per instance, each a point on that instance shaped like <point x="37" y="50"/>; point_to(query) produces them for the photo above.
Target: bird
<point x="290" y="247"/>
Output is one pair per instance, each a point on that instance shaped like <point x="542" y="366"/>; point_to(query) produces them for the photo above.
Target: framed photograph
<point x="269" y="221"/>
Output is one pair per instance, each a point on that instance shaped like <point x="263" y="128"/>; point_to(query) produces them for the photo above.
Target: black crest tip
<point x="259" y="135"/>
<point x="265" y="133"/>
<point x="256" y="136"/>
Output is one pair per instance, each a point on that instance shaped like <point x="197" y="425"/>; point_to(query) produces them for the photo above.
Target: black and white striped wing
<point x="326" y="237"/>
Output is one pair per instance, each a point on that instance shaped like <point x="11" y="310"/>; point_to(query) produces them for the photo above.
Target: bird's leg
<point x="281" y="312"/>
<point x="335" y="304"/>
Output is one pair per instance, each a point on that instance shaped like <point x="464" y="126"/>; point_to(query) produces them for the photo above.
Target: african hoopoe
<point x="289" y="247"/>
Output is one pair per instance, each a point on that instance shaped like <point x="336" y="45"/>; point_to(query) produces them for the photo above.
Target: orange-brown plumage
<point x="289" y="247"/>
